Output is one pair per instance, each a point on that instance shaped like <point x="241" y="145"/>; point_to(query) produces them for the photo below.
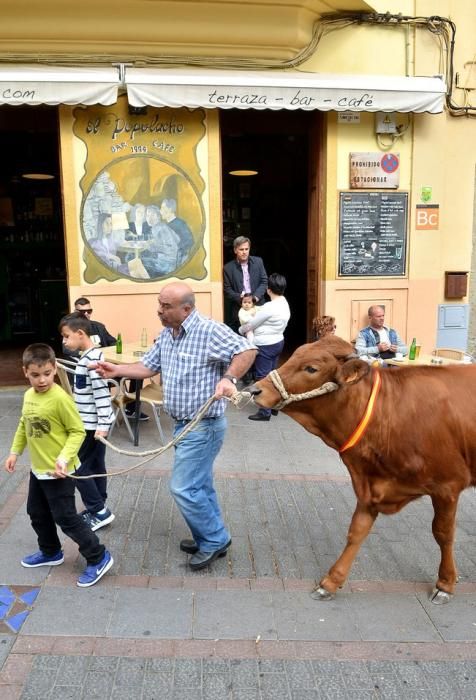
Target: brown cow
<point x="420" y="438"/>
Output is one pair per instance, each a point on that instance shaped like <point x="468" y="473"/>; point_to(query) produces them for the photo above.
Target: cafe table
<point x="131" y="352"/>
<point x="135" y="247"/>
<point x="423" y="359"/>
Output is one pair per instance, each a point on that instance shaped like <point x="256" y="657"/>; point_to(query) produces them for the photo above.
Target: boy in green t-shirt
<point x="51" y="428"/>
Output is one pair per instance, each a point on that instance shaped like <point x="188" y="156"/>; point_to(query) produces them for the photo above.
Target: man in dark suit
<point x="244" y="274"/>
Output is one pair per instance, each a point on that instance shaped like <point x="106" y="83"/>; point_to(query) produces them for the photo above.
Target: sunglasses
<point x="84" y="311"/>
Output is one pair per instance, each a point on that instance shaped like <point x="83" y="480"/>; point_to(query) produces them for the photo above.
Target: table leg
<point x="139" y="383"/>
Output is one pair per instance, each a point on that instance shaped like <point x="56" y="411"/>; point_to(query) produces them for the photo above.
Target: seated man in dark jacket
<point x="244" y="274"/>
<point x="103" y="337"/>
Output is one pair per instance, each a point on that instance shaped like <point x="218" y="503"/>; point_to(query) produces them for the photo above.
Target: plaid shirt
<point x="193" y="363"/>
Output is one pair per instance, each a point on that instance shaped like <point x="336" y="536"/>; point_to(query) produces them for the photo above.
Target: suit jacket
<point x="233" y="279"/>
<point x="100" y="329"/>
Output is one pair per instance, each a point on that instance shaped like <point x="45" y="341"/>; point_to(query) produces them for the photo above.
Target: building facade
<point x="357" y="124"/>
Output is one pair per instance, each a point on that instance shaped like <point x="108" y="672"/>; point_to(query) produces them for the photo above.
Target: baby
<point x="247" y="312"/>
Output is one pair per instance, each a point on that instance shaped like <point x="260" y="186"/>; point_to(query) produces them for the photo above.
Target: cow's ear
<point x="352" y="371"/>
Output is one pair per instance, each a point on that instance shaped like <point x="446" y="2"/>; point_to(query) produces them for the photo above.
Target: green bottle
<point x="119" y="344"/>
<point x="412" y="353"/>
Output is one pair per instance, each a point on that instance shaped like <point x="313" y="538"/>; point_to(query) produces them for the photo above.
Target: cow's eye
<point x="311" y="370"/>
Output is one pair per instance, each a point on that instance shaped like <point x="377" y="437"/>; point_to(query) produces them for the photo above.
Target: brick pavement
<point x="247" y="628"/>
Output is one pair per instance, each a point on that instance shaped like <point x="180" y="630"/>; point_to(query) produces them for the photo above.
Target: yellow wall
<point x="437" y="151"/>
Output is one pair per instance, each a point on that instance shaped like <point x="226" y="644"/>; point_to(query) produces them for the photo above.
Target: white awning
<point x="227" y="89"/>
<point x="52" y="85"/>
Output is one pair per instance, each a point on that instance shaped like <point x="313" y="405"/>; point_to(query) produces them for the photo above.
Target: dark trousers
<point x="267" y="360"/>
<point x="50" y="503"/>
<point x="92" y="455"/>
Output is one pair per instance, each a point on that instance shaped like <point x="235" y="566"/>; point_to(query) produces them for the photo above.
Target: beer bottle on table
<point x="119" y="344"/>
<point x="412" y="353"/>
<point x="143" y="338"/>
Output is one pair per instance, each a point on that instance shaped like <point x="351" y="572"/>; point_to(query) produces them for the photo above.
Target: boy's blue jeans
<point x="191" y="484"/>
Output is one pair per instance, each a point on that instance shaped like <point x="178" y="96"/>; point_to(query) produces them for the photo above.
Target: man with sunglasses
<point x="105" y="339"/>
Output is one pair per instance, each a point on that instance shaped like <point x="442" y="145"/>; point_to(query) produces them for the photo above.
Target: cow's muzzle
<point x="254" y="390"/>
<point x="287" y="398"/>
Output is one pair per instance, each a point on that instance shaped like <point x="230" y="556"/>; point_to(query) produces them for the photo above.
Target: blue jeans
<point x="267" y="360"/>
<point x="191" y="484"/>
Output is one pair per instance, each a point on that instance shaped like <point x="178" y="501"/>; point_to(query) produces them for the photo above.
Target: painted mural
<point x="142" y="215"/>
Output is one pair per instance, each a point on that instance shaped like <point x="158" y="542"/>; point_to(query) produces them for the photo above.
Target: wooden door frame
<point x="316" y="219"/>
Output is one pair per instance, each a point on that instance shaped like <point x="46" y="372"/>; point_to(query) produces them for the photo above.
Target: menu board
<point x="373" y="233"/>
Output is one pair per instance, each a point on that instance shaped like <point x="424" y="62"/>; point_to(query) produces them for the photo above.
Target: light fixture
<point x="243" y="172"/>
<point x="38" y="176"/>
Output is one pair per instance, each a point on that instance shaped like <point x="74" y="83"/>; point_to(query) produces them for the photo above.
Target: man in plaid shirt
<point x="197" y="358"/>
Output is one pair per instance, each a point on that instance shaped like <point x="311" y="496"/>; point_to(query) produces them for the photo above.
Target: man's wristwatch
<point x="230" y="378"/>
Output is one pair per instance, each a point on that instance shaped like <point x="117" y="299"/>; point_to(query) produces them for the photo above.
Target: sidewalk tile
<point x="233" y="615"/>
<point x="454" y="621"/>
<point x="97" y="601"/>
<point x="163" y="614"/>
<point x="391" y="618"/>
<point x="298" y="616"/>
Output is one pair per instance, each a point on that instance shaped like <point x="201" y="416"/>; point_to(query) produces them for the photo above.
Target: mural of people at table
<point x="139" y="227"/>
<point x="168" y="212"/>
<point x="141" y="218"/>
<point x="103" y="243"/>
<point x="162" y="254"/>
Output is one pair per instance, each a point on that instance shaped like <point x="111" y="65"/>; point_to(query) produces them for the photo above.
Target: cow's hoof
<point x="439" y="597"/>
<point x="320" y="593"/>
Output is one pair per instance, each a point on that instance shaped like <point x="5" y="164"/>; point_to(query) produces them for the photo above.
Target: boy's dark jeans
<point x="92" y="455"/>
<point x="51" y="502"/>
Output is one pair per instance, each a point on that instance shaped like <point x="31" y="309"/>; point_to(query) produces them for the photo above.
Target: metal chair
<point x="451" y="354"/>
<point x="150" y="394"/>
<point x="62" y="374"/>
<point x="65" y="368"/>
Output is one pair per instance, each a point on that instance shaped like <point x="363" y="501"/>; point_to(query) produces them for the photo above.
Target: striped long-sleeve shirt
<point x="91" y="393"/>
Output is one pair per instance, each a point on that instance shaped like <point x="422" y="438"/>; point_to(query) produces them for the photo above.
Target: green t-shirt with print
<point x="51" y="428"/>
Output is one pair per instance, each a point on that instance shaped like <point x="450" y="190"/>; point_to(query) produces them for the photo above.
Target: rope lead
<point x="239" y="399"/>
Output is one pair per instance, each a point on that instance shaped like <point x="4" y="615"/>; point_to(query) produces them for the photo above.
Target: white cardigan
<point x="270" y="322"/>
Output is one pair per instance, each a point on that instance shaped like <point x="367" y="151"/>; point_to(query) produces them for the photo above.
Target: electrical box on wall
<point x="385" y="123"/>
<point x="456" y="285"/>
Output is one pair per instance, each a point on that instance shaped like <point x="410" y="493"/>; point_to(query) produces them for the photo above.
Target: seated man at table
<point x="378" y="341"/>
<point x="99" y="333"/>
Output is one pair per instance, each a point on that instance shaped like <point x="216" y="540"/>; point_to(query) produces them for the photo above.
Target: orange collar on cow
<point x="360" y="429"/>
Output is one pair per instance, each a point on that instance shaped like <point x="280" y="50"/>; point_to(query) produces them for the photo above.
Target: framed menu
<point x="373" y="234"/>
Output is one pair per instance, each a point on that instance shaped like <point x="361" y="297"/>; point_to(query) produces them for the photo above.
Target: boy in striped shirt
<point x="93" y="401"/>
